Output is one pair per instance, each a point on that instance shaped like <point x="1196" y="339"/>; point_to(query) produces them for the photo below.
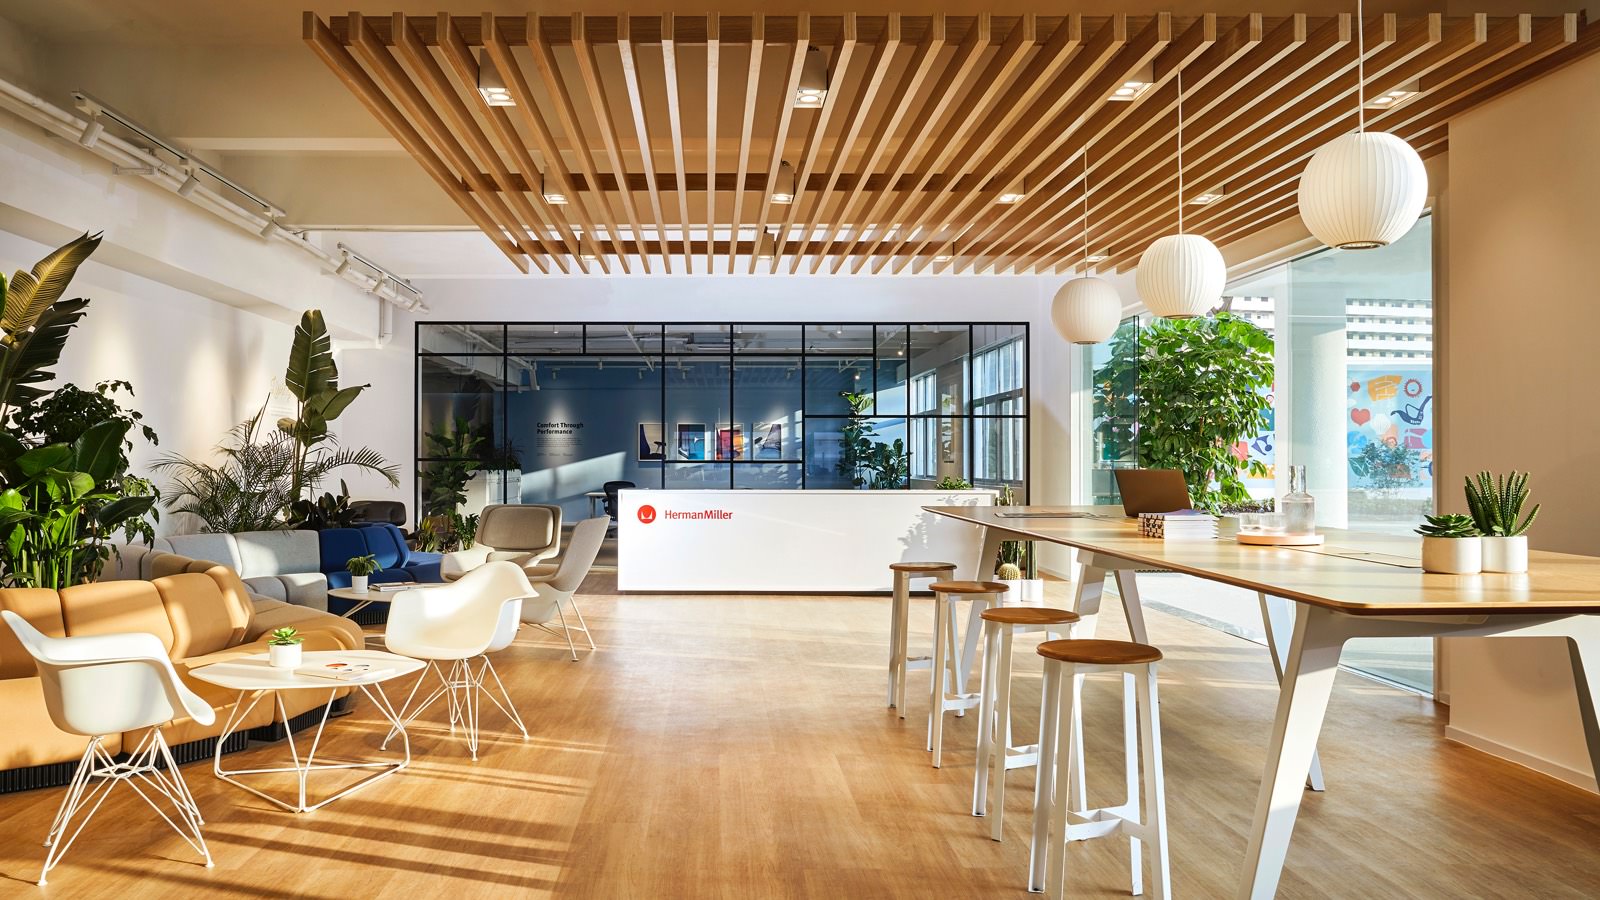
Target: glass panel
<point x="767" y="476"/>
<point x="999" y="452"/>
<point x="698" y="339"/>
<point x="824" y="452"/>
<point x="829" y="377"/>
<point x="444" y="338"/>
<point x="459" y="406"/>
<point x="997" y="376"/>
<point x="589" y="421"/>
<point x="542" y="339"/>
<point x="624" y="339"/>
<point x="1113" y="370"/>
<point x="766" y="402"/>
<point x="938" y="450"/>
<point x="711" y="476"/>
<point x="767" y="338"/>
<point x="942" y="351"/>
<point x="893" y="368"/>
<point x="697" y="419"/>
<point x="839" y="340"/>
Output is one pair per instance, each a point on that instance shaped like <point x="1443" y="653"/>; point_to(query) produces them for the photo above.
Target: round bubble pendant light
<point x="1362" y="190"/>
<point x="1181" y="276"/>
<point x="1086" y="309"/>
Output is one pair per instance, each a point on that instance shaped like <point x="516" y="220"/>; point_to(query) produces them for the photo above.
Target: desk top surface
<point x="1361" y="573"/>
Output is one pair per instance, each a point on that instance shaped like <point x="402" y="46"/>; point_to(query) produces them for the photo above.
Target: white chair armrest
<point x="458" y="563"/>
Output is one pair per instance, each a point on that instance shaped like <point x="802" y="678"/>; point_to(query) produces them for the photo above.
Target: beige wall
<point x="1520" y="340"/>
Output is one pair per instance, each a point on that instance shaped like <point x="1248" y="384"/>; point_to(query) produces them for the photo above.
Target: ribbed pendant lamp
<point x="1181" y="276"/>
<point x="1086" y="309"/>
<point x="1363" y="190"/>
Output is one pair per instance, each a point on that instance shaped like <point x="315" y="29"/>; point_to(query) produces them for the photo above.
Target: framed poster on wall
<point x="730" y="442"/>
<point x="767" y="441"/>
<point x="652" y="442"/>
<point x="692" y="442"/>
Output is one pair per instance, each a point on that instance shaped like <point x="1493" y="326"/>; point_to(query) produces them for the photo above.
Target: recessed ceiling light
<point x="766" y="247"/>
<point x="490" y="84"/>
<point x="553" y="194"/>
<point x="813" y="86"/>
<point x="1396" y="97"/>
<point x="1205" y="197"/>
<point x="946" y="253"/>
<point x="1135" y="85"/>
<point x="1014" y="192"/>
<point x="783" y="188"/>
<point x="1095" y="258"/>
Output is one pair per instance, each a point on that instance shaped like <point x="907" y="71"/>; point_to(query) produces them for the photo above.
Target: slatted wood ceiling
<point x="666" y="131"/>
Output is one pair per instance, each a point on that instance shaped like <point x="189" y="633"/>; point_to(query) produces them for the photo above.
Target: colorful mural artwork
<point x="1263" y="449"/>
<point x="1389" y="431"/>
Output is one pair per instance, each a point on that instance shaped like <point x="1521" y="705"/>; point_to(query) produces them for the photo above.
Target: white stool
<point x="949" y="691"/>
<point x="1057" y="814"/>
<point x="899" y="617"/>
<point x="996" y="755"/>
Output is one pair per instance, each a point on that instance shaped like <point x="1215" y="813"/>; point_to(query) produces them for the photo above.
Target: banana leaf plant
<point x="35" y="321"/>
<point x="59" y="503"/>
<point x="313" y="379"/>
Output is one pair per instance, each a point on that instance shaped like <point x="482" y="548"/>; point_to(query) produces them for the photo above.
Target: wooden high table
<point x="1357" y="585"/>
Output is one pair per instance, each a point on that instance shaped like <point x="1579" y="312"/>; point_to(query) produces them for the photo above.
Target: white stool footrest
<point x="961" y="700"/>
<point x="1022" y="757"/>
<point x="919" y="662"/>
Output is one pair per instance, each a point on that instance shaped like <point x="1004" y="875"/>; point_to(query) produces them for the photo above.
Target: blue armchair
<point x="397" y="562"/>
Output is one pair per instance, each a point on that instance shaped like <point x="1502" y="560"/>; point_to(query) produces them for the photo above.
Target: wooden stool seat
<point x="922" y="567"/>
<point x="1029" y="615"/>
<point x="969" y="587"/>
<point x="1099" y="653"/>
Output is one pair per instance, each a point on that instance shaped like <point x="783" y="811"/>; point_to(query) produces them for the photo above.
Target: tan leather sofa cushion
<point x="42" y="609"/>
<point x="236" y="598"/>
<point x="116" y="607"/>
<point x="29" y="737"/>
<point x="198" y="614"/>
<point x="271" y="614"/>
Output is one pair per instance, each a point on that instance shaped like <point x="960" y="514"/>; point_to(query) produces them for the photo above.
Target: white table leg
<point x="1086" y="599"/>
<point x="1307" y="684"/>
<point x="1128" y="587"/>
<point x="1277" y="615"/>
<point x="1586" y="678"/>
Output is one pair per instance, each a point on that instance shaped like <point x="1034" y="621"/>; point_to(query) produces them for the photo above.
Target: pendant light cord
<point x="1180" y="150"/>
<point x="1361" y="70"/>
<point x="1086" y="211"/>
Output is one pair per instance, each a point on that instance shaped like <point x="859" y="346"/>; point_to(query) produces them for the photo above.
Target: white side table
<point x="364" y="599"/>
<point x="252" y="676"/>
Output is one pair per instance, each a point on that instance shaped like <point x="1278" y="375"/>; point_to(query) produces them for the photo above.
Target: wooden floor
<point x="727" y="746"/>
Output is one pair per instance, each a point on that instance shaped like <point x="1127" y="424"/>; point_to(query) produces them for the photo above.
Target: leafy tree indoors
<point x="1199" y="388"/>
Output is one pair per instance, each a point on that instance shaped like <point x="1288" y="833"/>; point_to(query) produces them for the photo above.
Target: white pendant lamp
<point x="1363" y="190"/>
<point x="1086" y="309"/>
<point x="1181" y="276"/>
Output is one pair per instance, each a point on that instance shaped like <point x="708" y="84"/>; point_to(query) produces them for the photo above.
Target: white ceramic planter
<point x="1452" y="556"/>
<point x="283" y="656"/>
<point x="1505" y="554"/>
<point x="358" y="582"/>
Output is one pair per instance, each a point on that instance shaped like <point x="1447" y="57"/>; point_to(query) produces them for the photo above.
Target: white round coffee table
<point x="254" y="679"/>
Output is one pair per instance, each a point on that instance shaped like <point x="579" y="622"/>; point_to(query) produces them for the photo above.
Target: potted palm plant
<point x="283" y="648"/>
<point x="360" y="568"/>
<point x="1451" y="545"/>
<point x="1496" y="503"/>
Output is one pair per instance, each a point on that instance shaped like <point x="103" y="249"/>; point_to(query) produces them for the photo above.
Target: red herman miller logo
<point x="647" y="514"/>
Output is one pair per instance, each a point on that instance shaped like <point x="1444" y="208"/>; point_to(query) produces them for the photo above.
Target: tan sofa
<point x="202" y="617"/>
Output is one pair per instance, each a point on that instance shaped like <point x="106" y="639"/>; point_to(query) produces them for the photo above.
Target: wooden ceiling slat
<point x="791" y="84"/>
<point x="669" y="67"/>
<point x="465" y="66"/>
<point x="461" y="122"/>
<point x="589" y="75"/>
<point x="349" y="71"/>
<point x="641" y="130"/>
<point x="752" y="89"/>
<point x="910" y="149"/>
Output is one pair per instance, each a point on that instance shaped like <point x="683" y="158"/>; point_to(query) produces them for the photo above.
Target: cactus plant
<point x="1496" y="502"/>
<point x="1451" y="525"/>
<point x="1009" y="572"/>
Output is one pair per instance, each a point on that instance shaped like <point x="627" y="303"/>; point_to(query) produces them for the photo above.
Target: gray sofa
<point x="281" y="565"/>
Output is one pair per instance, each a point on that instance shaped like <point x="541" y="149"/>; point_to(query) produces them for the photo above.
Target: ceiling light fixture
<point x="783" y="188"/>
<point x="1015" y="191"/>
<point x="1206" y="197"/>
<point x="189" y="184"/>
<point x="1399" y="96"/>
<point x="1135" y="85"/>
<point x="344" y="264"/>
<point x="553" y="197"/>
<point x="1180" y="276"/>
<point x="946" y="253"/>
<point x="766" y="247"/>
<point x="271" y="228"/>
<point x="1362" y="190"/>
<point x="490" y="84"/>
<point x="813" y="86"/>
<point x="92" y="130"/>
<point x="1093" y="258"/>
<point x="1086" y="309"/>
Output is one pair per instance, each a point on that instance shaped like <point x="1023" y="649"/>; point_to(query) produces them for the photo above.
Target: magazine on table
<point x="344" y="669"/>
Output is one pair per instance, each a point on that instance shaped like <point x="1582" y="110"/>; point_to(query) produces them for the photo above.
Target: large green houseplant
<point x="1199" y="388"/>
<point x="867" y="462"/>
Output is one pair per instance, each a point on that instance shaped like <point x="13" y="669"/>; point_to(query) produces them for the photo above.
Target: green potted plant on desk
<point x="1496" y="503"/>
<point x="361" y="568"/>
<point x="283" y="648"/>
<point x="1451" y="545"/>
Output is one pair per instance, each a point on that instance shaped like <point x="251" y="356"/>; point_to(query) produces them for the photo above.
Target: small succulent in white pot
<point x="1496" y="503"/>
<point x="283" y="648"/>
<point x="1451" y="545"/>
<point x="361" y="568"/>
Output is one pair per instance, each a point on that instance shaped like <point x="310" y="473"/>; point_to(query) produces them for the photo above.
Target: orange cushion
<point x="116" y="607"/>
<point x="201" y="620"/>
<point x="42" y="609"/>
<point x="235" y="598"/>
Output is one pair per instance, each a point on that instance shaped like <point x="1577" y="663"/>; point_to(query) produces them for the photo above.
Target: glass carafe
<point x="1299" y="508"/>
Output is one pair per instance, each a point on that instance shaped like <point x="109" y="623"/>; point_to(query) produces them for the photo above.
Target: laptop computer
<point x="1152" y="491"/>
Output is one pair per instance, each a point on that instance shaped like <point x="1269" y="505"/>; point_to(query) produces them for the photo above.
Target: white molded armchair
<point x="555" y="585"/>
<point x="108" y="684"/>
<point x="460" y="623"/>
<point x="523" y="533"/>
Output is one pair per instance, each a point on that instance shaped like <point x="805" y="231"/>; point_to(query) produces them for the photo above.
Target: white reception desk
<point x="787" y="541"/>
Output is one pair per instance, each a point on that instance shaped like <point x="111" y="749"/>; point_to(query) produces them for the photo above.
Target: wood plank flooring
<point x="733" y="746"/>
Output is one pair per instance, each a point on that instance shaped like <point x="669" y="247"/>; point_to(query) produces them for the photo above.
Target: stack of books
<point x="1184" y="525"/>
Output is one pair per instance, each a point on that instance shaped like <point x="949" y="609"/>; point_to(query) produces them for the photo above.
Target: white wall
<point x="1517" y="359"/>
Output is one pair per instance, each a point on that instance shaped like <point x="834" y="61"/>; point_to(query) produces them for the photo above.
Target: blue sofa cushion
<point x="339" y="546"/>
<point x="386" y="543"/>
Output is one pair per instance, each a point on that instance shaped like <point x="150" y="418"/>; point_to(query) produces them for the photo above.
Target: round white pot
<point x="358" y="582"/>
<point x="283" y="656"/>
<point x="1505" y="554"/>
<point x="1452" y="556"/>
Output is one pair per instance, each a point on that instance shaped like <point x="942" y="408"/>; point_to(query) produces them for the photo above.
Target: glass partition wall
<point x="551" y="412"/>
